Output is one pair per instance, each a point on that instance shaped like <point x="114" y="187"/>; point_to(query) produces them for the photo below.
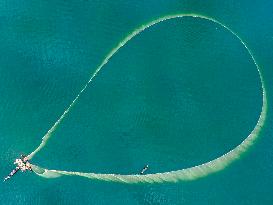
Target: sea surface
<point x="179" y="94"/>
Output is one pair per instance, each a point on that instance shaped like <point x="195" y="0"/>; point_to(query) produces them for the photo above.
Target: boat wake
<point x="186" y="174"/>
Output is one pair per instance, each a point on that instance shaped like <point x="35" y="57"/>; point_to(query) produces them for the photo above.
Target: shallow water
<point x="181" y="93"/>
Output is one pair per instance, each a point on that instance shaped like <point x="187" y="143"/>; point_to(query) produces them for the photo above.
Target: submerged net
<point x="186" y="174"/>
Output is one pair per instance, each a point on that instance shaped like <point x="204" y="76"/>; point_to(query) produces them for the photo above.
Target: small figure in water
<point x="144" y="169"/>
<point x="21" y="164"/>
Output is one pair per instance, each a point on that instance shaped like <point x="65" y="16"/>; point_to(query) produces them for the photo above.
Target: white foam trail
<point x="191" y="173"/>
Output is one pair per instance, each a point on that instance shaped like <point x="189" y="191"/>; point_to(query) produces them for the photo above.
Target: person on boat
<point x="23" y="158"/>
<point x="28" y="166"/>
<point x="23" y="168"/>
<point x="16" y="161"/>
<point x="19" y="162"/>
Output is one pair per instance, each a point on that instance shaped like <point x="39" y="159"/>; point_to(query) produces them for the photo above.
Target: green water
<point x="179" y="94"/>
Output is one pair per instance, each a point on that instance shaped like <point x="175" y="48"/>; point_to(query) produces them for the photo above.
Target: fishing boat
<point x="22" y="164"/>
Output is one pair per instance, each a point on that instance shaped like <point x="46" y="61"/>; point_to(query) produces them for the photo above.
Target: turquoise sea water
<point x="179" y="94"/>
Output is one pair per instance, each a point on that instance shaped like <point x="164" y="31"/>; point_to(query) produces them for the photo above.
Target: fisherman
<point x="19" y="162"/>
<point x="23" y="158"/>
<point x="28" y="166"/>
<point x="23" y="168"/>
<point x="16" y="161"/>
<point x="144" y="169"/>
